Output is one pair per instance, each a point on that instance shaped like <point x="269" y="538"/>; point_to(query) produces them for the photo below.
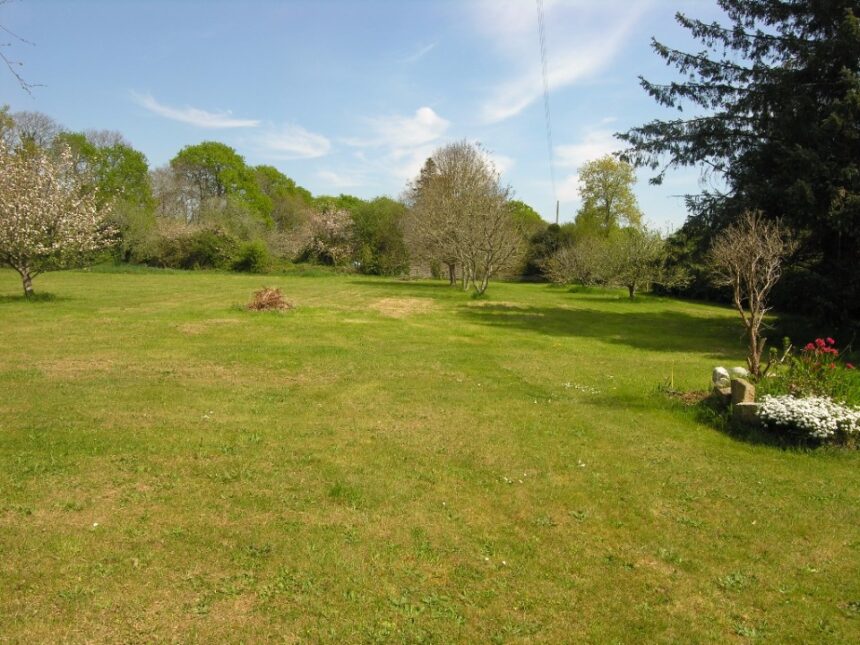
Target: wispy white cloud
<point x="340" y="180"/>
<point x="592" y="36"/>
<point x="398" y="131"/>
<point x="289" y="141"/>
<point x="568" y="188"/>
<point x="503" y="163"/>
<point x="397" y="144"/>
<point x="193" y="116"/>
<point x="420" y="53"/>
<point x="595" y="143"/>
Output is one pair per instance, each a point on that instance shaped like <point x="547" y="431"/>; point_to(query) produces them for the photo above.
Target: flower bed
<point x="813" y="417"/>
<point x="817" y="370"/>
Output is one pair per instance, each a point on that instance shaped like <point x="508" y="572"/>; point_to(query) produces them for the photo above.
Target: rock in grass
<point x="740" y="372"/>
<point x="720" y="377"/>
<point x="723" y="395"/>
<point x="746" y="413"/>
<point x="742" y="391"/>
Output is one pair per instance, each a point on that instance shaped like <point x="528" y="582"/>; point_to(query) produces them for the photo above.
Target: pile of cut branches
<point x="269" y="299"/>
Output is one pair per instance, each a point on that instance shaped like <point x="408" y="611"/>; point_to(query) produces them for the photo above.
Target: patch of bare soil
<point x="402" y="307"/>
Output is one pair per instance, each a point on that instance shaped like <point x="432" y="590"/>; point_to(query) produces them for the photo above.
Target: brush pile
<point x="269" y="299"/>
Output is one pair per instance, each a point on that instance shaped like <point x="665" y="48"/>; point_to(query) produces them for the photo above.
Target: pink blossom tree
<point x="332" y="235"/>
<point x="48" y="218"/>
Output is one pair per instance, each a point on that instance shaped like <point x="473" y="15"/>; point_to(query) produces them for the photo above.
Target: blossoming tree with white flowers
<point x="48" y="218"/>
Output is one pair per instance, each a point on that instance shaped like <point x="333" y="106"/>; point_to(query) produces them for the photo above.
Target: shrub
<point x="269" y="299"/>
<point x="192" y="248"/>
<point x="817" y="370"/>
<point x="252" y="257"/>
<point x="208" y="248"/>
<point x="330" y="237"/>
<point x="814" y="417"/>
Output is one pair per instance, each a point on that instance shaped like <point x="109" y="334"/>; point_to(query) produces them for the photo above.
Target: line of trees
<point x="207" y="208"/>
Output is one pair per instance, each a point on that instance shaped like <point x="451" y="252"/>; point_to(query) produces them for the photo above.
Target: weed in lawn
<point x="735" y="581"/>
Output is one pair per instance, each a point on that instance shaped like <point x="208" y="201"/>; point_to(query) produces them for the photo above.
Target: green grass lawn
<point x="395" y="461"/>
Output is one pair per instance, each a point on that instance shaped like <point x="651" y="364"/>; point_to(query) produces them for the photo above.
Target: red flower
<point x="849" y="366"/>
<point x="809" y="347"/>
<point x="819" y="342"/>
<point x="830" y="341"/>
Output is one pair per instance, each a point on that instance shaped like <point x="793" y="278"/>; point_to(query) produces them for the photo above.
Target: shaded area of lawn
<point x="661" y="331"/>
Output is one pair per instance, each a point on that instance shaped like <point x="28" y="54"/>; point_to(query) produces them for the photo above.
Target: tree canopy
<point x="117" y="170"/>
<point x="379" y="236"/>
<point x="774" y="102"/>
<point x="216" y="170"/>
<point x="608" y="202"/>
<point x="290" y="201"/>
<point x="461" y="215"/>
<point x="526" y="217"/>
<point x="48" y="219"/>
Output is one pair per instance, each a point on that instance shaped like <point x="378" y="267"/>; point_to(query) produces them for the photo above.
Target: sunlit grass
<point x="394" y="461"/>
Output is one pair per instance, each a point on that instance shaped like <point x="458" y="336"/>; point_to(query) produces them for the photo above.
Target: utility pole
<point x="556" y="212"/>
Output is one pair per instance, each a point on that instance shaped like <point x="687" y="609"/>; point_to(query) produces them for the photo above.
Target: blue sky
<point x="353" y="96"/>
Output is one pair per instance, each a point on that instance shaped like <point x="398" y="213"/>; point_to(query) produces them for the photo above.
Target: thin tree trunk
<point x="756" y="346"/>
<point x="452" y="273"/>
<point x="631" y="289"/>
<point x="27" y="281"/>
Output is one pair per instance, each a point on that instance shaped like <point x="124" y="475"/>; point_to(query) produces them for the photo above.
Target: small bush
<point x="192" y="248"/>
<point x="252" y="257"/>
<point x="817" y="370"/>
<point x="269" y="299"/>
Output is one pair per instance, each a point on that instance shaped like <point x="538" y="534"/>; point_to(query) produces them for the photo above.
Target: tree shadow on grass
<point x="602" y="294"/>
<point x="710" y="411"/>
<point x="663" y="331"/>
<point x="36" y="298"/>
<point x="706" y="410"/>
<point x="440" y="291"/>
<point x="441" y="285"/>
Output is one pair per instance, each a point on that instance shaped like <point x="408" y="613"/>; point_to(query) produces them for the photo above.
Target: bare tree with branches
<point x="34" y="129"/>
<point x="461" y="216"/>
<point x="585" y="262"/>
<point x="106" y="138"/>
<point x="15" y="65"/>
<point x="748" y="257"/>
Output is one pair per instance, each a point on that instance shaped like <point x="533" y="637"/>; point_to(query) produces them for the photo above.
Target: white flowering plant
<point x="48" y="217"/>
<point x="818" y="418"/>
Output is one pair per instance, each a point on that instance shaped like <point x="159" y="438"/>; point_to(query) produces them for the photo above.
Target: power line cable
<point x="543" y="57"/>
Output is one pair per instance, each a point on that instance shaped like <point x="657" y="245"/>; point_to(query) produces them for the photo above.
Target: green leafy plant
<point x="818" y="369"/>
<point x="252" y="257"/>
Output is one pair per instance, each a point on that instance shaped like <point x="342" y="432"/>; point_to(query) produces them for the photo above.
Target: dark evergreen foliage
<point x="776" y="101"/>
